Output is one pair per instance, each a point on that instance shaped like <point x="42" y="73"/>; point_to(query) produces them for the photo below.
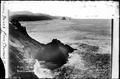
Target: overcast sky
<point x="71" y="9"/>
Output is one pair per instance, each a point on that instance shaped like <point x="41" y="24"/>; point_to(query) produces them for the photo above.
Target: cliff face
<point x="23" y="51"/>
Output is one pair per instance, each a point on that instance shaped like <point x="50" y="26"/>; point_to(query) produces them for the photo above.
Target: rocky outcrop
<point x="24" y="50"/>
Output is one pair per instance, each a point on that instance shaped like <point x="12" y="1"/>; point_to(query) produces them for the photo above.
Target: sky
<point x="74" y="9"/>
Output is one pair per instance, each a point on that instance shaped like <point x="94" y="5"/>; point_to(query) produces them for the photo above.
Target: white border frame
<point x="5" y="36"/>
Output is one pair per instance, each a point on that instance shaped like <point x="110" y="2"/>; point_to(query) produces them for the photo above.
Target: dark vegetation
<point x="99" y="65"/>
<point x="89" y="47"/>
<point x="22" y="46"/>
<point x="96" y="59"/>
<point x="28" y="16"/>
<point x="102" y="62"/>
<point x="25" y="75"/>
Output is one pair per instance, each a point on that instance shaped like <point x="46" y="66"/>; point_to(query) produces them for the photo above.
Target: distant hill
<point x="29" y="16"/>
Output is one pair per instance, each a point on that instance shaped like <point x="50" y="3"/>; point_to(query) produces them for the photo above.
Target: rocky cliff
<point x="24" y="50"/>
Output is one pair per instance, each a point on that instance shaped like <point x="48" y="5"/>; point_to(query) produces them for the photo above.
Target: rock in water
<point x="22" y="47"/>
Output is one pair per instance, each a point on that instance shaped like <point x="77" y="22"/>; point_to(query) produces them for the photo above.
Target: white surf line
<point x="42" y="72"/>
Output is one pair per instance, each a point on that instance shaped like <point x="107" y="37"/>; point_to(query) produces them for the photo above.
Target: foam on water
<point x="42" y="72"/>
